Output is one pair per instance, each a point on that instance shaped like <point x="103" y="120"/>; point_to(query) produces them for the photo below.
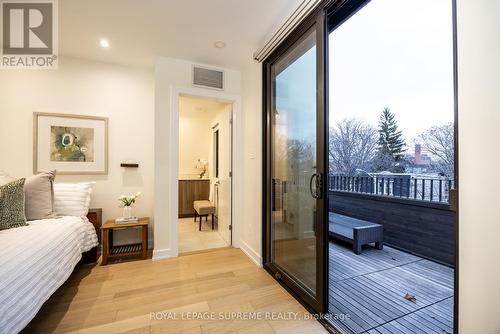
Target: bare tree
<point x="439" y="141"/>
<point x="353" y="145"/>
<point x="295" y="153"/>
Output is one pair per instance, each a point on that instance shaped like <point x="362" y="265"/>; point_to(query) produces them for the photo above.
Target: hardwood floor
<point x="119" y="298"/>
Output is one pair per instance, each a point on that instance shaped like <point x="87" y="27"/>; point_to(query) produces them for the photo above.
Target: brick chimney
<point x="418" y="154"/>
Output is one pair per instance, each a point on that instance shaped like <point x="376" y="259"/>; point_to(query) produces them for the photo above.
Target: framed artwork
<point x="70" y="144"/>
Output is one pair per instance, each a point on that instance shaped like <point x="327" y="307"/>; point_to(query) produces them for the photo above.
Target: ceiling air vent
<point x="205" y="77"/>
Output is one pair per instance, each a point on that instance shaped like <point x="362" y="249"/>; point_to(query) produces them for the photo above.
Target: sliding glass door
<point x="358" y="210"/>
<point x="295" y="235"/>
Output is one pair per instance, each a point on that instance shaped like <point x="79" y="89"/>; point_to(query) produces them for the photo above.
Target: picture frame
<point x="70" y="144"/>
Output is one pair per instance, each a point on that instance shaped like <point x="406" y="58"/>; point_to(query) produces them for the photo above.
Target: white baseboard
<point x="160" y="254"/>
<point x="308" y="235"/>
<point x="251" y="253"/>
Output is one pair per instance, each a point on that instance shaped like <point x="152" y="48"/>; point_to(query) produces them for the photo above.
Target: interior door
<point x="295" y="165"/>
<point x="223" y="180"/>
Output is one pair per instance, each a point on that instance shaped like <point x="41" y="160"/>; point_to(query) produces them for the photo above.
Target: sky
<point x="296" y="98"/>
<point x="396" y="54"/>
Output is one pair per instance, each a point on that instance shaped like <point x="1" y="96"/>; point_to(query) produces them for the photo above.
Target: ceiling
<point x="200" y="104"/>
<point x="140" y="30"/>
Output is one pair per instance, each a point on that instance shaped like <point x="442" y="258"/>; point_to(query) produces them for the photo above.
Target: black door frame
<point x="340" y="10"/>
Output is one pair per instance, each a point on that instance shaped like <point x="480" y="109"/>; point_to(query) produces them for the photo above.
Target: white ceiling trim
<point x="304" y="9"/>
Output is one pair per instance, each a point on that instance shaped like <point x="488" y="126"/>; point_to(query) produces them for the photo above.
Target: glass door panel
<point x="294" y="173"/>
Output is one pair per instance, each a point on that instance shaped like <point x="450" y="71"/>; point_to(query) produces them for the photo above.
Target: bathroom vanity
<point x="191" y="190"/>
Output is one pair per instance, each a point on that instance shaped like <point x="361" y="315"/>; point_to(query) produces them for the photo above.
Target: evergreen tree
<point x="391" y="145"/>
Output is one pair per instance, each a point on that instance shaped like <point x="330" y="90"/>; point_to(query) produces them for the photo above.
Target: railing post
<point x="449" y="188"/>
<point x="409" y="187"/>
<point x="415" y="185"/>
<point x="423" y="189"/>
<point x="440" y="190"/>
<point x="432" y="190"/>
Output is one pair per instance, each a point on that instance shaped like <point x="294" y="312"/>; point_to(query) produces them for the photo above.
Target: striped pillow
<point x="72" y="199"/>
<point x="12" y="205"/>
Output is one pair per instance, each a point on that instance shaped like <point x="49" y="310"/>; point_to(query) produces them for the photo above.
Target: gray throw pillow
<point x="12" y="205"/>
<point x="39" y="196"/>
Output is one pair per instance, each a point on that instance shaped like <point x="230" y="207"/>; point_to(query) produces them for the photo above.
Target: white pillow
<point x="72" y="199"/>
<point x="4" y="178"/>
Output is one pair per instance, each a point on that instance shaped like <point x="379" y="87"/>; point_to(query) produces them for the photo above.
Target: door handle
<point x="319" y="186"/>
<point x="317" y="179"/>
<point x="311" y="184"/>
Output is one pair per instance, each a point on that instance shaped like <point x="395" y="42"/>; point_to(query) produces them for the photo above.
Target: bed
<point x="35" y="260"/>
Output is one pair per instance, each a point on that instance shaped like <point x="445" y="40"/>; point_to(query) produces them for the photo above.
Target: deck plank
<point x="371" y="287"/>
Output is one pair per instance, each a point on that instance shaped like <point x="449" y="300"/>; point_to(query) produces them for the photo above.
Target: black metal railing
<point x="431" y="189"/>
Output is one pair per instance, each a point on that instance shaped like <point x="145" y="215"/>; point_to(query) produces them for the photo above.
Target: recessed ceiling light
<point x="104" y="43"/>
<point x="220" y="44"/>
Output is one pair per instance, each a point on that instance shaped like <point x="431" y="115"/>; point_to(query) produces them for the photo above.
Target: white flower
<point x="128" y="200"/>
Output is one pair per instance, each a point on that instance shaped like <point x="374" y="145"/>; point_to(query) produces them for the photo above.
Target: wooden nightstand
<point x="92" y="256"/>
<point x="110" y="252"/>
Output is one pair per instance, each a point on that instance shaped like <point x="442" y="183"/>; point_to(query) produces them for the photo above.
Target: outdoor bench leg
<point x="356" y="247"/>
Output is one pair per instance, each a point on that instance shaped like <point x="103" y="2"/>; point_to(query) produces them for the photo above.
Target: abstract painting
<point x="71" y="144"/>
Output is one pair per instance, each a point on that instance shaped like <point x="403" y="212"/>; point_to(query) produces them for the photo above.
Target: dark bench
<point x="355" y="231"/>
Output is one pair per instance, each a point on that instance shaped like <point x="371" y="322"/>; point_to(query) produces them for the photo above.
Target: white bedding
<point x="35" y="261"/>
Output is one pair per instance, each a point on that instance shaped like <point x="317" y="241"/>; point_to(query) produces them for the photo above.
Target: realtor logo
<point x="29" y="34"/>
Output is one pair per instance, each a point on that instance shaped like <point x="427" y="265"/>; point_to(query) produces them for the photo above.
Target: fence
<point x="432" y="189"/>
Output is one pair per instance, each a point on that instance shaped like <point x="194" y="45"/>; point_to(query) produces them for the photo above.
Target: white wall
<point x="479" y="154"/>
<point x="251" y="233"/>
<point x="195" y="137"/>
<point x="172" y="75"/>
<point x="125" y="95"/>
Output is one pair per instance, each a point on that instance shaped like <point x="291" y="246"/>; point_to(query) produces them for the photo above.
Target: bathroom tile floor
<point x="191" y="240"/>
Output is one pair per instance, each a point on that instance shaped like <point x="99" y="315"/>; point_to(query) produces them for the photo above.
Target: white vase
<point x="127" y="211"/>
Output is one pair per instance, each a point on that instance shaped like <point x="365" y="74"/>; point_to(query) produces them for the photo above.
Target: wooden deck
<point x="367" y="292"/>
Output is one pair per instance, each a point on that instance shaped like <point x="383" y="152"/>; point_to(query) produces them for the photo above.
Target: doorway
<point x="360" y="153"/>
<point x="392" y="167"/>
<point x="205" y="186"/>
